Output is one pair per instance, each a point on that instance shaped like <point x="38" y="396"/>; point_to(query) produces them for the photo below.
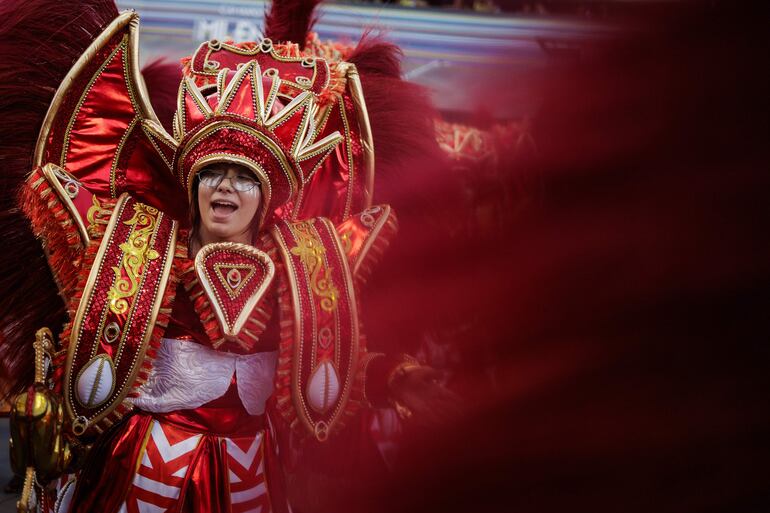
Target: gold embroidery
<point x="231" y="277"/>
<point x="311" y="252"/>
<point x="96" y="215"/>
<point x="136" y="253"/>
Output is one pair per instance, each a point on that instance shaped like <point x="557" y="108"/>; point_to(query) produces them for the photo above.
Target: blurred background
<point x="469" y="54"/>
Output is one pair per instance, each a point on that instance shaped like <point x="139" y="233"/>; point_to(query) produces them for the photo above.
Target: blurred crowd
<point x="592" y="9"/>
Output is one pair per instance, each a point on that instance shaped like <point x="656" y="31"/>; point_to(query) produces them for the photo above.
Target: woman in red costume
<point x="210" y="278"/>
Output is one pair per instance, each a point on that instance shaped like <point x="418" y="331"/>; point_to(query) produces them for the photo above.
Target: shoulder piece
<point x="365" y="237"/>
<point x="97" y="125"/>
<point x="121" y="312"/>
<point x="230" y="281"/>
<point x="316" y="380"/>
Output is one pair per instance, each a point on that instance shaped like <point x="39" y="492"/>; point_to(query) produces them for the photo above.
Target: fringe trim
<point x="373" y="256"/>
<point x="52" y="224"/>
<point x="284" y="369"/>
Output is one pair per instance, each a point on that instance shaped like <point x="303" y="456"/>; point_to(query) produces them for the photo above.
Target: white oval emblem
<point x="324" y="387"/>
<point x="96" y="381"/>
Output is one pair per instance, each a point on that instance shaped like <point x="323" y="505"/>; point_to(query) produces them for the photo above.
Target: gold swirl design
<point x="97" y="215"/>
<point x="136" y="253"/>
<point x="311" y="253"/>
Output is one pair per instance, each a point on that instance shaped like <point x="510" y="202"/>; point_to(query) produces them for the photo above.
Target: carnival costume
<point x="175" y="374"/>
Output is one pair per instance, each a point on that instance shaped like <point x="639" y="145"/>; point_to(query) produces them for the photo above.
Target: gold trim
<point x="220" y="80"/>
<point x="227" y="95"/>
<point x="118" y="151"/>
<point x="159" y="132"/>
<point x="321" y="118"/>
<point x="200" y="271"/>
<point x="266" y="48"/>
<point x="367" y="141"/>
<point x="233" y="291"/>
<point x="373" y="234"/>
<point x="259" y="93"/>
<point x="352" y="171"/>
<point x="186" y="87"/>
<point x="272" y="94"/>
<point x="304" y="101"/>
<point x="156" y="134"/>
<point x="299" y="405"/>
<point x="356" y="336"/>
<point x="143" y="449"/>
<point x="83" y="305"/>
<point x="135" y="78"/>
<point x="324" y="146"/>
<point x="49" y="172"/>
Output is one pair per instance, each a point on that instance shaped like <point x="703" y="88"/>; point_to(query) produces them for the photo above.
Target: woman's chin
<point x="224" y="231"/>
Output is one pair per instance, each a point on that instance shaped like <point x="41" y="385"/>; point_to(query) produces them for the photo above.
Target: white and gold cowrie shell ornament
<point x="95" y="382"/>
<point x="324" y="387"/>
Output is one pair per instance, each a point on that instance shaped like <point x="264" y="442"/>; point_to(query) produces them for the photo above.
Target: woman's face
<point x="226" y="208"/>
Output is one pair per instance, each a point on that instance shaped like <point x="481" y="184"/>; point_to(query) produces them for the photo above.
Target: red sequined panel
<point x="320" y="340"/>
<point x="234" y="277"/>
<point x="118" y="312"/>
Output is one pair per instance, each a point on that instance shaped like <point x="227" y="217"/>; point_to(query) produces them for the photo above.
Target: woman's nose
<point x="226" y="180"/>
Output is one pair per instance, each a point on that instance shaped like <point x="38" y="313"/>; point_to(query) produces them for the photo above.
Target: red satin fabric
<point x="99" y="126"/>
<point x="106" y="150"/>
<point x="113" y="464"/>
<point x="107" y="473"/>
<point x="207" y="489"/>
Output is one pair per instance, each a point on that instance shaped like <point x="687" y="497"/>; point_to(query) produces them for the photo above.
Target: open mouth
<point x="223" y="208"/>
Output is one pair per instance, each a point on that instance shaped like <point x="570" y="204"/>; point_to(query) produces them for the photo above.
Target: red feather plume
<point x="36" y="52"/>
<point x="162" y="79"/>
<point x="290" y="20"/>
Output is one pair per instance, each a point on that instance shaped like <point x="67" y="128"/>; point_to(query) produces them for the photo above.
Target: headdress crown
<point x="246" y="122"/>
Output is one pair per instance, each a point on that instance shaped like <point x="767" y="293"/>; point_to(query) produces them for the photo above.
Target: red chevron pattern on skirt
<point x="191" y="472"/>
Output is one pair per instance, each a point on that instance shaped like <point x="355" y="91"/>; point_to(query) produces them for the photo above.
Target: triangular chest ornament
<point x="235" y="277"/>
